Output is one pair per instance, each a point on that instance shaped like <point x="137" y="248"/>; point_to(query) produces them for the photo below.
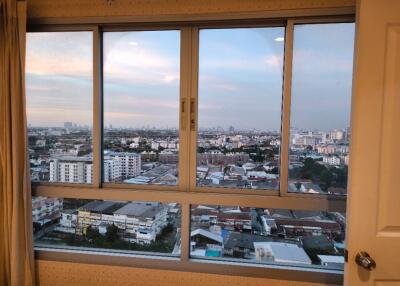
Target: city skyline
<point x="211" y="128"/>
<point x="143" y="79"/>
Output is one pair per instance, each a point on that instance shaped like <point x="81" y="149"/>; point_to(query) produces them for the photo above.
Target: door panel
<point x="389" y="195"/>
<point x="387" y="283"/>
<point x="374" y="202"/>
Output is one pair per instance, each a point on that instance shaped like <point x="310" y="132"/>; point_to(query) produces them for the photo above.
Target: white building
<point x="332" y="261"/>
<point x="337" y="135"/>
<point x="45" y="210"/>
<point x="140" y="221"/>
<point x="346" y="159"/>
<point x="280" y="252"/>
<point x="68" y="221"/>
<point x="134" y="145"/>
<point x="70" y="169"/>
<point x="119" y="166"/>
<point x="143" y="220"/>
<point x="331" y="160"/>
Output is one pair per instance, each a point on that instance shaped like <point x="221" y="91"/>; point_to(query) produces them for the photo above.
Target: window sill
<point x="152" y="261"/>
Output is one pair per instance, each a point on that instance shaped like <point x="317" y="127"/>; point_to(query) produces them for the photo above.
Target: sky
<point x="240" y="78"/>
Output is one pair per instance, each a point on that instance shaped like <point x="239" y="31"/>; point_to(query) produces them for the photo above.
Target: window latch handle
<point x="183" y="115"/>
<point x="192" y="115"/>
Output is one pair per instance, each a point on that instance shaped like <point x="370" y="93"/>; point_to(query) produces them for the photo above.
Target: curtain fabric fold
<point x="16" y="248"/>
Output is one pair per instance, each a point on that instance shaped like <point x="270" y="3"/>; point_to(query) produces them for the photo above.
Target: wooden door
<point x="374" y="201"/>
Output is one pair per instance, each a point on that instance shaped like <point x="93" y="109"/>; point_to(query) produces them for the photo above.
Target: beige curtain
<point x="16" y="250"/>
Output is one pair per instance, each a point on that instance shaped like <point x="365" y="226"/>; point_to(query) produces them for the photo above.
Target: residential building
<point x="45" y="210"/>
<point x="69" y="169"/>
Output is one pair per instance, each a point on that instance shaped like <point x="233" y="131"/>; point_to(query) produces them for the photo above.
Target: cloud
<point x="66" y="53"/>
<point x="126" y="101"/>
<point x="141" y="66"/>
<point x="42" y="65"/>
<point x="320" y="62"/>
<point x="273" y="61"/>
<point x="169" y="78"/>
<point x="126" y="115"/>
<point x="39" y="88"/>
<point x="218" y="83"/>
<point x="211" y="107"/>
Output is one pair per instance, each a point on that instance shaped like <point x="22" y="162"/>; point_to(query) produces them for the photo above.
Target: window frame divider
<point x="194" y="67"/>
<point x="286" y="105"/>
<point x="97" y="107"/>
<point x="184" y="114"/>
<point x="259" y="201"/>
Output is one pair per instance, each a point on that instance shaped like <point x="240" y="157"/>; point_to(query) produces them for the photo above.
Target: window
<point x="273" y="236"/>
<point x="141" y="107"/>
<point x="59" y="106"/>
<point x="113" y="226"/>
<point x="240" y="99"/>
<point x="320" y="110"/>
<point x="197" y="144"/>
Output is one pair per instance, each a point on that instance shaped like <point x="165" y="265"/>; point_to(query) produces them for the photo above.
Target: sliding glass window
<point x="141" y="107"/>
<point x="121" y="227"/>
<point x="59" y="91"/>
<point x="301" y="238"/>
<point x="320" y="109"/>
<point x="239" y="107"/>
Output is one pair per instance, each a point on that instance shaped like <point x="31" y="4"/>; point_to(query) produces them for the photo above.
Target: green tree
<point x="112" y="233"/>
<point x="326" y="178"/>
<point x="275" y="170"/>
<point x="92" y="233"/>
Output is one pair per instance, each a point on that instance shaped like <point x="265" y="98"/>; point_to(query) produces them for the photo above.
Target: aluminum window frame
<point x="186" y="192"/>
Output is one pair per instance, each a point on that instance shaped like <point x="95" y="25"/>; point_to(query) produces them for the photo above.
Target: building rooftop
<point x="208" y="234"/>
<point x="317" y="242"/>
<point x="115" y="154"/>
<point x="307" y="214"/>
<point x="324" y="224"/>
<point x="245" y="240"/>
<point x="331" y="259"/>
<point x="140" y="209"/>
<point x="74" y="159"/>
<point x="280" y="213"/>
<point x="283" y="252"/>
<point x="69" y="211"/>
<point x="139" y="180"/>
<point x="106" y="207"/>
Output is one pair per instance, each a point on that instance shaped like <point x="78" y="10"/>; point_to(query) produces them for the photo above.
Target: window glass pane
<point x="239" y="107"/>
<point x="59" y="106"/>
<point x="268" y="236"/>
<point x="320" y="111"/>
<point x="141" y="107"/>
<point x="93" y="225"/>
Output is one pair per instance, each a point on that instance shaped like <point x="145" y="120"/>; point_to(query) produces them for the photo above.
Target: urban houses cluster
<point x="217" y="232"/>
<point x="268" y="235"/>
<point x="225" y="158"/>
<point x="79" y="222"/>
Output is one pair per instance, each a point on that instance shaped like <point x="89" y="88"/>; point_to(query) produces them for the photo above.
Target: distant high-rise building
<point x="68" y="125"/>
<point x="337" y="135"/>
<point x="331" y="160"/>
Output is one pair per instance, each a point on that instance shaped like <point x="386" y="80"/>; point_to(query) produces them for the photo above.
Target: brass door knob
<point x="365" y="261"/>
